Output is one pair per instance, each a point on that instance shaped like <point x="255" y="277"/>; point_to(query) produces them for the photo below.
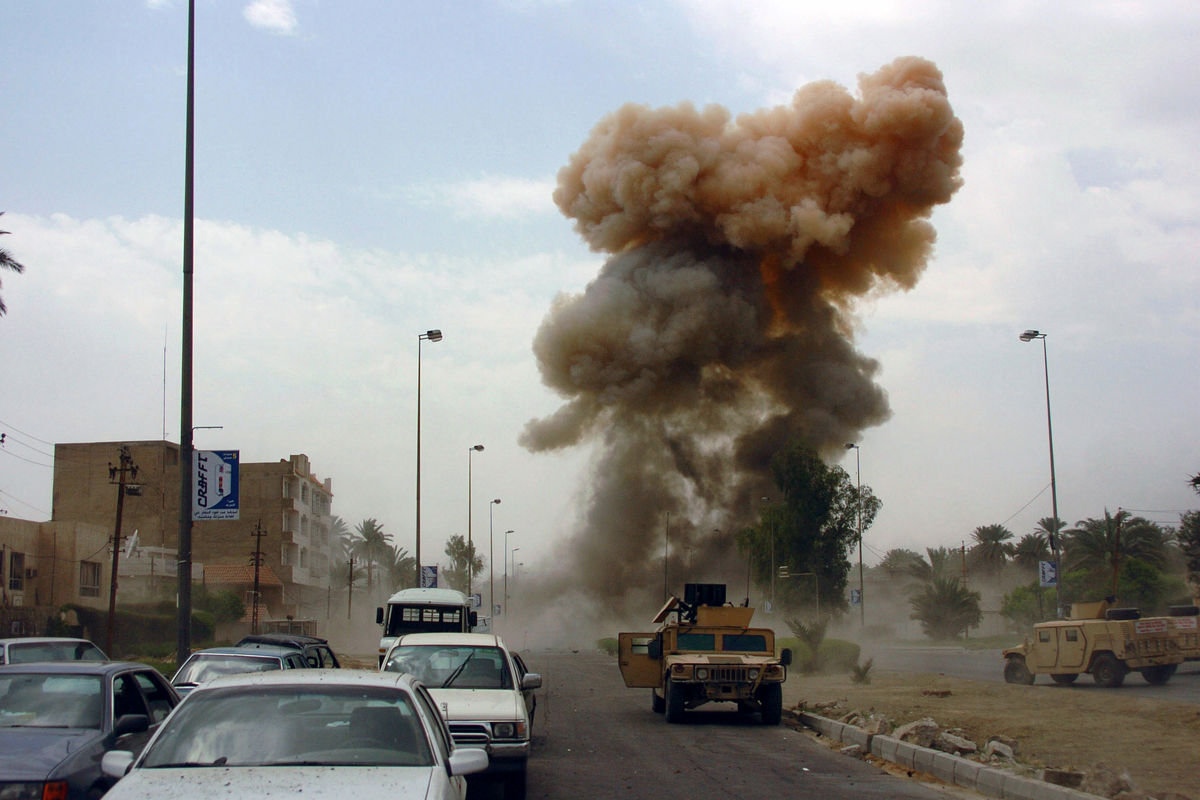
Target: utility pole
<point x="350" y="588"/>
<point x="256" y="560"/>
<point x="117" y="474"/>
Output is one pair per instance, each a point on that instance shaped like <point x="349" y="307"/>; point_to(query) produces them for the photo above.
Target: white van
<point x="423" y="611"/>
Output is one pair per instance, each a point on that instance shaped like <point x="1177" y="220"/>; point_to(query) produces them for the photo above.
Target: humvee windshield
<point x="745" y="642"/>
<point x="731" y="642"/>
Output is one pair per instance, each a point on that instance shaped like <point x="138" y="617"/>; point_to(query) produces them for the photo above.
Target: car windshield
<point x="449" y="667"/>
<point x="31" y="700"/>
<point x="288" y="725"/>
<point x="206" y="666"/>
<point x="28" y="652"/>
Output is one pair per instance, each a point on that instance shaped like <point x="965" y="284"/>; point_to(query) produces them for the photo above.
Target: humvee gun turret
<point x="706" y="652"/>
<point x="1106" y="642"/>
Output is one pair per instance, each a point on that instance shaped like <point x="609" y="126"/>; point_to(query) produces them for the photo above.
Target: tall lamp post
<point x="862" y="600"/>
<point x="431" y="336"/>
<point x="1029" y="336"/>
<point x="491" y="570"/>
<point x="515" y="549"/>
<point x="470" y="542"/>
<point x="772" y="534"/>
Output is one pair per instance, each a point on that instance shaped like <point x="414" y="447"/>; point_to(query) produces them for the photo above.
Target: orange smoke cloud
<point x="718" y="329"/>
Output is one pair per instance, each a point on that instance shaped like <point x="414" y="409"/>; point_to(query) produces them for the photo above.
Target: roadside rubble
<point x="997" y="752"/>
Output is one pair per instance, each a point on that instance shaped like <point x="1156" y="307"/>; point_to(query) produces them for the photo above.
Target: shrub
<point x="838" y="655"/>
<point x="861" y="673"/>
<point x="607" y="645"/>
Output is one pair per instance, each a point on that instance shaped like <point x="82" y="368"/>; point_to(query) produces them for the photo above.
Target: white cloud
<point x="276" y="16"/>
<point x="491" y="197"/>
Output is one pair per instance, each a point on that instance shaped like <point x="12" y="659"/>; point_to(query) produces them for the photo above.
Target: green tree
<point x="1026" y="605"/>
<point x="371" y="544"/>
<point x="945" y="608"/>
<point x="8" y="262"/>
<point x="899" y="563"/>
<point x="401" y="568"/>
<point x="1031" y="550"/>
<point x="939" y="564"/>
<point x="812" y="530"/>
<point x="1099" y="546"/>
<point x="992" y="548"/>
<point x="462" y="554"/>
<point x="1188" y="536"/>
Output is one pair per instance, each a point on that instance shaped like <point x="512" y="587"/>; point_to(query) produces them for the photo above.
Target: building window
<point x="89" y="579"/>
<point x="16" y="572"/>
<point x="287" y="488"/>
<point x="303" y="492"/>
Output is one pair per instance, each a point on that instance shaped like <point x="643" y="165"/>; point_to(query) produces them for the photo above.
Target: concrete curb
<point x="943" y="766"/>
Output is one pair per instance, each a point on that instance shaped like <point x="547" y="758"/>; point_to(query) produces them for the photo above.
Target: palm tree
<point x="400" y="567"/>
<point x="899" y="561"/>
<point x="939" y="565"/>
<point x="1101" y="545"/>
<point x="992" y="547"/>
<point x="1031" y="550"/>
<point x="461" y="554"/>
<point x="945" y="608"/>
<point x="1050" y="528"/>
<point x="8" y="262"/>
<point x="372" y="544"/>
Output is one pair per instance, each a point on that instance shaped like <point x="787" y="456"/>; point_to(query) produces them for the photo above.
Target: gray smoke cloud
<point x="721" y="327"/>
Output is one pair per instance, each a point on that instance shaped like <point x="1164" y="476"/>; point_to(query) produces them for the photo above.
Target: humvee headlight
<point x="701" y="674"/>
<point x="753" y="673"/>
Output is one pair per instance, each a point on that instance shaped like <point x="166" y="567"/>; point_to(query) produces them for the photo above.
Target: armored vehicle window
<point x="1072" y="635"/>
<point x="1043" y="636"/>
<point x="641" y="644"/>
<point x="696" y="641"/>
<point x="744" y="642"/>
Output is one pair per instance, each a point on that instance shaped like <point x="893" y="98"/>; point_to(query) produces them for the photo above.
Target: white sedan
<point x="323" y="733"/>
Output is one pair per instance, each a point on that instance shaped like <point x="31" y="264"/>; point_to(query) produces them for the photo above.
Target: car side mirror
<point x="785" y="657"/>
<point x="116" y="763"/>
<point x="654" y="648"/>
<point x="473" y="618"/>
<point x="378" y="615"/>
<point x="467" y="761"/>
<point x="130" y="723"/>
<point x="531" y="680"/>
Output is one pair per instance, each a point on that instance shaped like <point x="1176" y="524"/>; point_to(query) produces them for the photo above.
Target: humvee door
<point x="638" y="668"/>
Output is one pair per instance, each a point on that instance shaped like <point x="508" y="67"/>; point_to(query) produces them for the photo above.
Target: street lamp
<point x="491" y="569"/>
<point x="470" y="542"/>
<point x="1029" y="336"/>
<point x="772" y="534"/>
<point x="514" y="556"/>
<point x="431" y="336"/>
<point x="862" y="604"/>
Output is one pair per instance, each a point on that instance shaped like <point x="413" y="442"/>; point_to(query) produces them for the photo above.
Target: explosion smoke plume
<point x="720" y="329"/>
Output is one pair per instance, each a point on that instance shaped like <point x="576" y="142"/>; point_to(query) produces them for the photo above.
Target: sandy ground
<point x="1156" y="742"/>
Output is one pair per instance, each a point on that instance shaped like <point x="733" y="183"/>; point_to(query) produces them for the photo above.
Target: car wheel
<point x="1107" y="671"/>
<point x="673" y="703"/>
<point x="1015" y="671"/>
<point x="657" y="704"/>
<point x="514" y="786"/>
<point x="771" y="696"/>
<point x="1157" y="676"/>
<point x="1064" y="677"/>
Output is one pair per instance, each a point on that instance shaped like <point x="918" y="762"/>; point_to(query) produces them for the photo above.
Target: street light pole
<point x="1029" y="336"/>
<point x="862" y="599"/>
<point x="470" y="542"/>
<point x="505" y="606"/>
<point x="491" y="569"/>
<point x="432" y="336"/>
<point x="772" y="535"/>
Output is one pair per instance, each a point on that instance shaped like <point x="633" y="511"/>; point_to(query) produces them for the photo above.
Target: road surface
<point x="595" y="738"/>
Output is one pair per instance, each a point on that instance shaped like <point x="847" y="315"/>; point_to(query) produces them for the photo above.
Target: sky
<point x="367" y="171"/>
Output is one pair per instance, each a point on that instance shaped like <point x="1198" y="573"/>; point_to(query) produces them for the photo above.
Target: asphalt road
<point x="988" y="665"/>
<point x="594" y="738"/>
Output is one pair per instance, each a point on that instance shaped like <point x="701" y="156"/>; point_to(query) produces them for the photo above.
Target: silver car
<point x="48" y="648"/>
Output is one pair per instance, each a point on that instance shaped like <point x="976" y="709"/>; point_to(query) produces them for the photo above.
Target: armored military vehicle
<point x="705" y="651"/>
<point x="1106" y="642"/>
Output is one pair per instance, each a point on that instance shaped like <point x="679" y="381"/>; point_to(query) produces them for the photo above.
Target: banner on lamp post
<point x="215" y="484"/>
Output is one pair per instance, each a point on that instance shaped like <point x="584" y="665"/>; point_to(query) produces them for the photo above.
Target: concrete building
<point x="290" y="503"/>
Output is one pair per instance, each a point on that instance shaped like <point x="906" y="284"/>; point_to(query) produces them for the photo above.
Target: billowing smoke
<point x="720" y="328"/>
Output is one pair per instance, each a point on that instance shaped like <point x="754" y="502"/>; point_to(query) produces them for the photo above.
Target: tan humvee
<point x="707" y="653"/>
<point x="1185" y="630"/>
<point x="1106" y="642"/>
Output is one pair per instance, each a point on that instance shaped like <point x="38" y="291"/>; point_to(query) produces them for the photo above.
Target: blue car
<point x="58" y="719"/>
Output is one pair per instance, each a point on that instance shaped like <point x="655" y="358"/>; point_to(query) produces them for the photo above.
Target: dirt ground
<point x="1156" y="742"/>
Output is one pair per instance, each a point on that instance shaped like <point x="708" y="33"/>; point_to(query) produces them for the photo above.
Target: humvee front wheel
<point x="657" y="704"/>
<point x="1064" y="677"/>
<point x="1015" y="671"/>
<point x="1156" y="676"/>
<point x="673" y="704"/>
<point x="1108" y="671"/>
<point x="771" y="697"/>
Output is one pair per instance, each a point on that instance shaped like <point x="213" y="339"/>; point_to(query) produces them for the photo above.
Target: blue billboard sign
<point x="215" y="484"/>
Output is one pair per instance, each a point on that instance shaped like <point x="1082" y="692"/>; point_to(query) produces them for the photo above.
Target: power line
<point x="23" y="433"/>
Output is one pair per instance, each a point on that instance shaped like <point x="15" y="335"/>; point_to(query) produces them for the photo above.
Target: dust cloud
<point x="721" y="327"/>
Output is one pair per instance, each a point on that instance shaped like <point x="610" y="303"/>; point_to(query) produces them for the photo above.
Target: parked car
<point x="48" y="648"/>
<point x="316" y="649"/>
<point x="204" y="665"/>
<point x="486" y="697"/>
<point x="323" y="733"/>
<point x="58" y="719"/>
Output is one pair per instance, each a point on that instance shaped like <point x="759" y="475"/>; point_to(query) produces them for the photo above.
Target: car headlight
<point x="34" y="790"/>
<point x="701" y="674"/>
<point x="753" y="673"/>
<point x="508" y="730"/>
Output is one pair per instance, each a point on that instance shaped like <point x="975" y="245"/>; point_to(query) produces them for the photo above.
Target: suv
<point x="709" y="653"/>
<point x="316" y="650"/>
<point x="484" y="692"/>
<point x="204" y="665"/>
